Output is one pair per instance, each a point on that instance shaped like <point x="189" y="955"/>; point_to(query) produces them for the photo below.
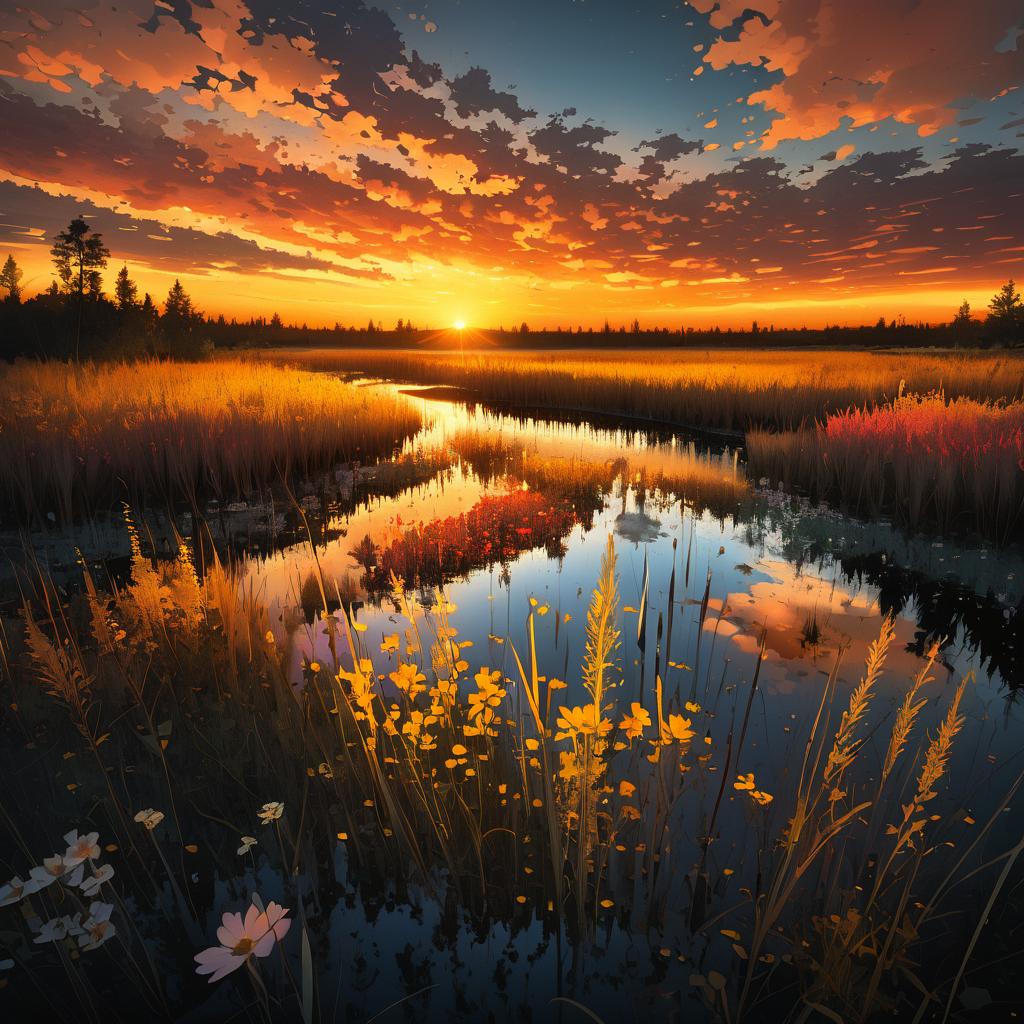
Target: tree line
<point x="74" y="318"/>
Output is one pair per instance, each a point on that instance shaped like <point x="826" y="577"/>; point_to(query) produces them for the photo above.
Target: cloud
<point x="575" y="148"/>
<point x="30" y="215"/>
<point x="300" y="141"/>
<point x="472" y="93"/>
<point x="865" y="61"/>
<point x="672" y="146"/>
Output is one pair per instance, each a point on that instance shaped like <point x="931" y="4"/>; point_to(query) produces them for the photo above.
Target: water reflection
<point x="525" y="506"/>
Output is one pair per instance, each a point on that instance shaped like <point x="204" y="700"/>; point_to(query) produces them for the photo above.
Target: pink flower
<point x="241" y="939"/>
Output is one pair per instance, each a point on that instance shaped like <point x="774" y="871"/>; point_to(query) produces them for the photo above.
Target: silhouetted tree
<point x="1006" y="314"/>
<point x="79" y="255"/>
<point x="126" y="293"/>
<point x="181" y="323"/>
<point x="78" y="252"/>
<point x="1006" y="303"/>
<point x="149" y="318"/>
<point x="10" y="278"/>
<point x="178" y="305"/>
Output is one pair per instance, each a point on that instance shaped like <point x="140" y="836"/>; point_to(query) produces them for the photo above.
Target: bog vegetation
<point x="956" y="463"/>
<point x="935" y="441"/>
<point x="726" y="390"/>
<point x="82" y="438"/>
<point x="163" y="715"/>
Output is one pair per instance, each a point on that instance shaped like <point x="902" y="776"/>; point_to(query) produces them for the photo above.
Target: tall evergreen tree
<point x="1006" y="304"/>
<point x="78" y="252"/>
<point x="10" y="278"/>
<point x="126" y="293"/>
<point x="178" y="305"/>
<point x="1006" y="314"/>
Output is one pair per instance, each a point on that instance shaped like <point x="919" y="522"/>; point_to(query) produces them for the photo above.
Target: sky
<point x="559" y="162"/>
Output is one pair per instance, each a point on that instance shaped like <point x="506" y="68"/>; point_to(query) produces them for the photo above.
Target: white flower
<point x="53" y="931"/>
<point x="271" y="811"/>
<point x="73" y="924"/>
<point x="92" y="883"/>
<point x="149" y="818"/>
<point x="12" y="891"/>
<point x="97" y="926"/>
<point x="51" y="869"/>
<point x="80" y="848"/>
<point x="248" y="842"/>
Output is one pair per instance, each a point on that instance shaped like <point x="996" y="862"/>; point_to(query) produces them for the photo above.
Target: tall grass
<point x="728" y="389"/>
<point x="82" y="438"/>
<point x="703" y="480"/>
<point x="926" y="459"/>
<point x="432" y="765"/>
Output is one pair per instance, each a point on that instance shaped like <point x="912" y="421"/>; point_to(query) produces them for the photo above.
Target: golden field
<point x="727" y="389"/>
<point x="81" y="438"/>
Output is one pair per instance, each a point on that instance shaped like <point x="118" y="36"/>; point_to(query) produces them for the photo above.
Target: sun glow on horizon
<point x="459" y="325"/>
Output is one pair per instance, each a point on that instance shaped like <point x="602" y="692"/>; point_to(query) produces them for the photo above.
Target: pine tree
<point x="178" y="305"/>
<point x="78" y="252"/>
<point x="10" y="278"/>
<point x="180" y="322"/>
<point x="963" y="315"/>
<point x="126" y="293"/>
<point x="1006" y="304"/>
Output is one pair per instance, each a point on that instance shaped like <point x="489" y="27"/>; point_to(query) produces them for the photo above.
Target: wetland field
<point x="357" y="685"/>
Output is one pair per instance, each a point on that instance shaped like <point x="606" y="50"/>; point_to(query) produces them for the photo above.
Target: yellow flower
<point x="149" y="818"/>
<point x="408" y="679"/>
<point x="764" y="799"/>
<point x="636" y="721"/>
<point x="271" y="811"/>
<point x="570" y="768"/>
<point x="677" y="729"/>
<point x="487" y="698"/>
<point x="580" y="721"/>
<point x="692" y="707"/>
<point x="744" y="782"/>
